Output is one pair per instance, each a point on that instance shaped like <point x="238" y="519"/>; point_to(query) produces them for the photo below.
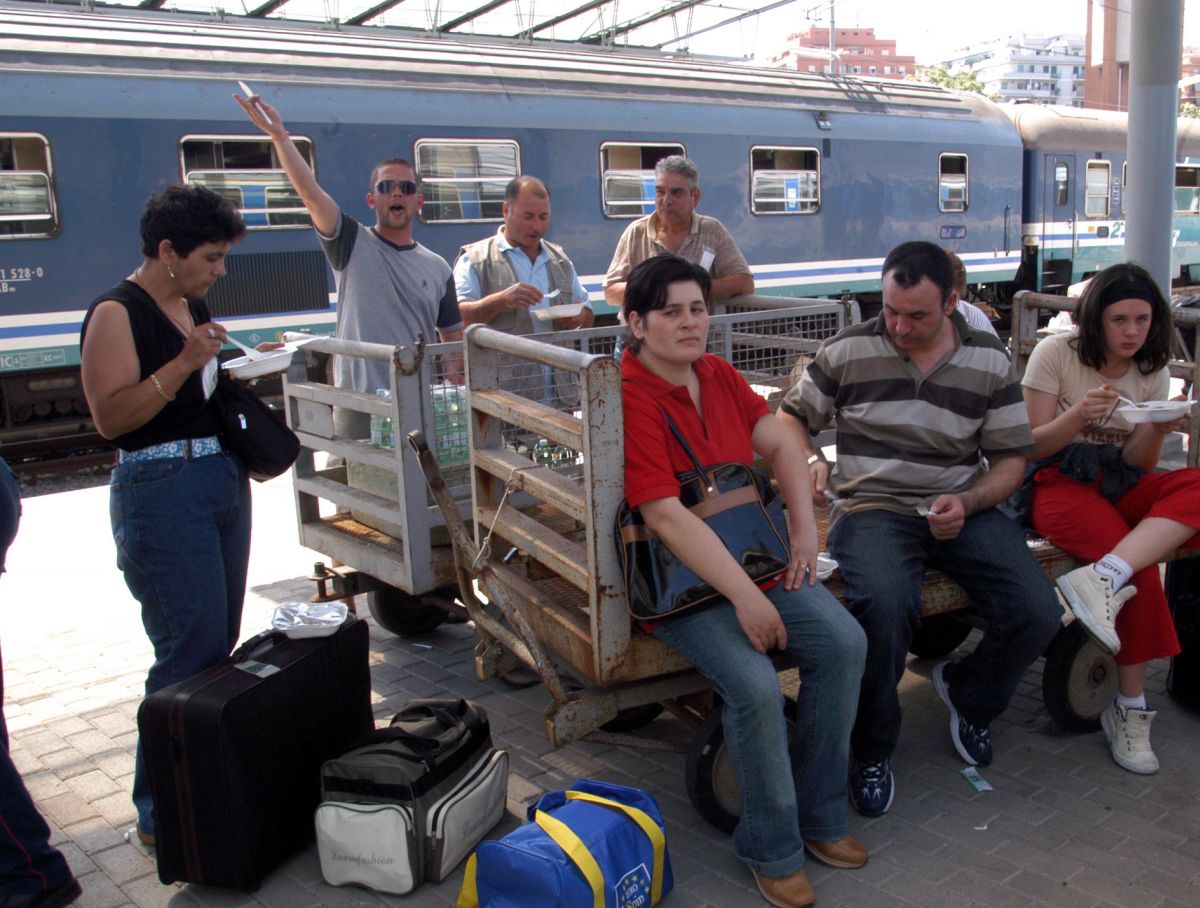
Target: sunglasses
<point x="406" y="187"/>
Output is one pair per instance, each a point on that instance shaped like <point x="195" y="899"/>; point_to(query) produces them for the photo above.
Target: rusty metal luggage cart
<point x="372" y="511"/>
<point x="365" y="510"/>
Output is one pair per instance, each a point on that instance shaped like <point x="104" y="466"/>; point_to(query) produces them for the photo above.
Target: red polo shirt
<point x="652" y="455"/>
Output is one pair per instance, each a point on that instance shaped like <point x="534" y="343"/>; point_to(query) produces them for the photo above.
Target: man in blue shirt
<point x="503" y="280"/>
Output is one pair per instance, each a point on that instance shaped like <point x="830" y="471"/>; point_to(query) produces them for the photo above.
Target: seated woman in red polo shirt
<point x="789" y="804"/>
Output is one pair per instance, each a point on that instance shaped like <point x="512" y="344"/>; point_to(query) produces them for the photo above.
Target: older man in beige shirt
<point x="676" y="229"/>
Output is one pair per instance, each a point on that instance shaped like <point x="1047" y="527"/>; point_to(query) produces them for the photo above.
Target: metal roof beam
<point x="473" y="14"/>
<point x="366" y="15"/>
<point x="626" y="27"/>
<point x="732" y="19"/>
<point x="261" y="12"/>
<point x="569" y="14"/>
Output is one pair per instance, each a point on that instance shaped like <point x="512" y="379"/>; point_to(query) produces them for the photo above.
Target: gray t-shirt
<point x="387" y="294"/>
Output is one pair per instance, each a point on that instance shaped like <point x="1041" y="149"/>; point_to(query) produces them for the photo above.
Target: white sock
<point x="1115" y="569"/>
<point x="1138" y="702"/>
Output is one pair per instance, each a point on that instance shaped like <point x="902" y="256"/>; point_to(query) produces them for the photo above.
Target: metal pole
<point x="1155" y="51"/>
<point x="833" y="66"/>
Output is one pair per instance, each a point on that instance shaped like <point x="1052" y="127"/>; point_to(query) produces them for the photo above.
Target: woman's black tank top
<point x="157" y="342"/>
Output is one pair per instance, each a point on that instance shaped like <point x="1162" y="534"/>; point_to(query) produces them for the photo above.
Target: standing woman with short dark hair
<point x="180" y="505"/>
<point x="1098" y="498"/>
<point x="790" y="803"/>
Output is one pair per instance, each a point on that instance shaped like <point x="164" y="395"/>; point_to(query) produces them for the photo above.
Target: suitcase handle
<point x="246" y="650"/>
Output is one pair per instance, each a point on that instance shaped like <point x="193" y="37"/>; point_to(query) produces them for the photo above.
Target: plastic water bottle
<point x="449" y="423"/>
<point x="381" y="426"/>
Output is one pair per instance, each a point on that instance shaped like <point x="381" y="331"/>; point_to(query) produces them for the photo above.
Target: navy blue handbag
<point x="738" y="503"/>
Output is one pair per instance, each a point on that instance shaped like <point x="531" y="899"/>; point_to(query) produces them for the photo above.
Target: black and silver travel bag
<point x="411" y="801"/>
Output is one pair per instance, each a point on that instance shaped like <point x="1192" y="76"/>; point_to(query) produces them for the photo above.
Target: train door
<point x="1059" y="238"/>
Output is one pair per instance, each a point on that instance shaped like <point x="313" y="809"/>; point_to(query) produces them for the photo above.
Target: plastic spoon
<point x="249" y="351"/>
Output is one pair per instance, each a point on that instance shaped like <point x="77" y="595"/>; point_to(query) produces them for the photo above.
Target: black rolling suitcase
<point x="234" y="754"/>
<point x="1183" y="596"/>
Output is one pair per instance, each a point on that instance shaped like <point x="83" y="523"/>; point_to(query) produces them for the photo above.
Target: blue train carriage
<point x="1075" y="178"/>
<point x="817" y="176"/>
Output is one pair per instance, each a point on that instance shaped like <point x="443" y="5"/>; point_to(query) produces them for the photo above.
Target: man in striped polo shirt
<point x="932" y="434"/>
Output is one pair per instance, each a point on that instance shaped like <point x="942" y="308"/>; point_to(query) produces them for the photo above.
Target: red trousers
<point x="1083" y="523"/>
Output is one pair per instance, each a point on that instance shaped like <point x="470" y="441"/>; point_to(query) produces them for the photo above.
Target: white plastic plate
<point x="268" y="363"/>
<point x="566" y="310"/>
<point x="1155" y="411"/>
<point x="309" y="619"/>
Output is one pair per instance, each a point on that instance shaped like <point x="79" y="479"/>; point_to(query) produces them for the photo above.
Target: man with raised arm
<point x="675" y="228"/>
<point x="932" y="434"/>
<point x="391" y="289"/>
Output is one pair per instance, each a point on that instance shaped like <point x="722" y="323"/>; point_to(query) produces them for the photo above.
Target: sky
<point x="930" y="30"/>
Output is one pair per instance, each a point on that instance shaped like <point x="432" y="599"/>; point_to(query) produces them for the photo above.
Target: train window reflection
<point x="247" y="172"/>
<point x="1187" y="190"/>
<point x="785" y="180"/>
<point x="27" y="203"/>
<point x="463" y="180"/>
<point x="627" y="176"/>
<point x="1096" y="185"/>
<point x="1062" y="184"/>
<point x="952" y="182"/>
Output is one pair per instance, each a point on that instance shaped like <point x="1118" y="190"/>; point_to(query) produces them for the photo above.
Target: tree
<point x="1188" y="109"/>
<point x="960" y="80"/>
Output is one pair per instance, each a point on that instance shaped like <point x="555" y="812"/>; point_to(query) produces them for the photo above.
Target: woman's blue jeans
<point x="182" y="529"/>
<point x="785" y="798"/>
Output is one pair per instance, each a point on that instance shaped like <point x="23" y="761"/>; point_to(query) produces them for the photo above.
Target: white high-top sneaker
<point x="1089" y="594"/>
<point x="1128" y="733"/>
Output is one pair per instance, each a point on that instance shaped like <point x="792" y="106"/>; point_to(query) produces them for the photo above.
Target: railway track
<point x="39" y="459"/>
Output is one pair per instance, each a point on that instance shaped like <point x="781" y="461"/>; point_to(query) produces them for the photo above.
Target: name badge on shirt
<point x="707" y="259"/>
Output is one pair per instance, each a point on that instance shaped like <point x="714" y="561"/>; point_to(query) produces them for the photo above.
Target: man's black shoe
<point x="872" y="787"/>
<point x="973" y="742"/>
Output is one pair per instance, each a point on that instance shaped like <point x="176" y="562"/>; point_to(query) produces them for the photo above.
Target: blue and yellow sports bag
<point x="595" y="844"/>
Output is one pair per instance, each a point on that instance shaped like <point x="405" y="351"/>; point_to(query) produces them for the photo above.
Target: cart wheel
<point x="1079" y="679"/>
<point x="711" y="785"/>
<point x="634" y="718"/>
<point x="403" y="613"/>
<point x="938" y="635"/>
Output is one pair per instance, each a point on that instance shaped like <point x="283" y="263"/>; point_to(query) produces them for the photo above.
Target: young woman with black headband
<point x="1096" y="495"/>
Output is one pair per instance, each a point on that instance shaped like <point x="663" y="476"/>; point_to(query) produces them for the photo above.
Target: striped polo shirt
<point x="904" y="438"/>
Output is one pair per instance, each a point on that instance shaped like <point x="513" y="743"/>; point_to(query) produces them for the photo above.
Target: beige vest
<point x="496" y="273"/>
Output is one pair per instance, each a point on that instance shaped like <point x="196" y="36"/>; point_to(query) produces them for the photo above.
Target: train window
<point x="1062" y="184"/>
<point x="463" y="180"/>
<point x="1187" y="190"/>
<point x="27" y="203"/>
<point x="247" y="172"/>
<point x="785" y="180"/>
<point x="627" y="177"/>
<point x="1096" y="184"/>
<point x="952" y="182"/>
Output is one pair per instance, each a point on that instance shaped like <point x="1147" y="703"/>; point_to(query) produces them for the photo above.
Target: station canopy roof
<point x="664" y="24"/>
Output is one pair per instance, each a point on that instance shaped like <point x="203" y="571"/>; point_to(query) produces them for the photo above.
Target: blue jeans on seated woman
<point x="182" y="529"/>
<point x="785" y="800"/>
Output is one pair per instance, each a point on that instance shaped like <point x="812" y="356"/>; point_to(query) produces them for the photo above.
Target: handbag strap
<point x="647" y="824"/>
<point x="677" y="432"/>
<point x="565" y="838"/>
